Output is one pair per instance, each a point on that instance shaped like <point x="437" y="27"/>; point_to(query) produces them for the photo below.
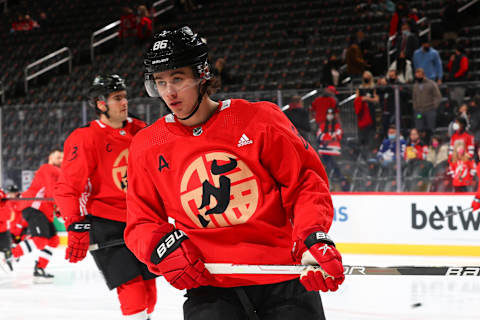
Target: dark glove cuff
<point x="167" y="245"/>
<point x="316" y="237"/>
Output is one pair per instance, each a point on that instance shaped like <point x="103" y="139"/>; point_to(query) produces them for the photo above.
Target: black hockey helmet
<point x="11" y="188"/>
<point x="103" y="85"/>
<point x="172" y="50"/>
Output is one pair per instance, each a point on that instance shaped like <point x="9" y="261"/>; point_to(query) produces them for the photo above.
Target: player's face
<point x="179" y="89"/>
<point x="57" y="158"/>
<point x="12" y="194"/>
<point x="118" y="106"/>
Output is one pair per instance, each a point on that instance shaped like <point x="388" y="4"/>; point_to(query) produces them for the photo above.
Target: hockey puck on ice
<point x="416" y="305"/>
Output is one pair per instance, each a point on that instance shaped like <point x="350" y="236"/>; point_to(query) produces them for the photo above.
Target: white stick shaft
<point x="228" y="268"/>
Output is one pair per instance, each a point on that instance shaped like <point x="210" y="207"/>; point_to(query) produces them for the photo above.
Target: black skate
<point x="40" y="276"/>
<point x="6" y="260"/>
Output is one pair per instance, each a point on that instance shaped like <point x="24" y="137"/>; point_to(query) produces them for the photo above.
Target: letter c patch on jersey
<point x="218" y="190"/>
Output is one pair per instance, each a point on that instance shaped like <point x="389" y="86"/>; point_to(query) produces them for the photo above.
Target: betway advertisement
<point x="406" y="224"/>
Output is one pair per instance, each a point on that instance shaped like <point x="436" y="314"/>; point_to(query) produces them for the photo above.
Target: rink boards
<point x="406" y="224"/>
<point x="403" y="224"/>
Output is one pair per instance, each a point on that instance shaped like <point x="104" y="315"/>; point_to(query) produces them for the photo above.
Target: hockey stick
<point x="108" y="244"/>
<point x="28" y="199"/>
<point x="228" y="268"/>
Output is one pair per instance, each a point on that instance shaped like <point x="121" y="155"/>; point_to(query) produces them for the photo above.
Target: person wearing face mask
<point x="457" y="72"/>
<point x="365" y="104"/>
<point x="328" y="100"/>
<point x="403" y="68"/>
<point x="329" y="136"/>
<point x="426" y="97"/>
<point x="387" y="150"/>
<point x="462" y="111"/>
<point x="461" y="134"/>
<point x="429" y="60"/>
<point x="402" y="13"/>
<point x="408" y="41"/>
<point x="462" y="168"/>
<point x="437" y="151"/>
<point x="416" y="149"/>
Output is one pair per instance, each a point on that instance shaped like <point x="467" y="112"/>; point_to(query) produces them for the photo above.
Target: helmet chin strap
<point x="199" y="100"/>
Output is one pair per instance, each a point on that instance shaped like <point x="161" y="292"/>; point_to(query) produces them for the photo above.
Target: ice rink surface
<point x="79" y="292"/>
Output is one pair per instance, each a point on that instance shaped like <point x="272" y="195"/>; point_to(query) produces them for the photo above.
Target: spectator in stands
<point x="387" y="151"/>
<point x="128" y="24"/>
<point x="365" y="104"/>
<point x="299" y="116"/>
<point x="429" y="60"/>
<point x="450" y="20"/>
<point x="354" y="58"/>
<point x="331" y="71"/>
<point x="402" y="14"/>
<point x="437" y="151"/>
<point x="407" y="42"/>
<point x="415" y="149"/>
<point x="24" y="23"/>
<point x="329" y="136"/>
<point x="221" y="72"/>
<point x="457" y="72"/>
<point x="43" y="20"/>
<point x="403" y="68"/>
<point x="144" y="24"/>
<point x="463" y="113"/>
<point x="383" y="8"/>
<point x="461" y="134"/>
<point x="462" y="167"/>
<point x="474" y="111"/>
<point x="328" y="100"/>
<point x="188" y="5"/>
<point x="426" y="97"/>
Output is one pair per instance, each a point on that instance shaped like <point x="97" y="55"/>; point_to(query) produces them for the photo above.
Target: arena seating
<point x="268" y="45"/>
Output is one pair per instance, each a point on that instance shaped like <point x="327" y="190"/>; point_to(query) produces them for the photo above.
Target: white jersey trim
<point x="40" y="194"/>
<point x="84" y="198"/>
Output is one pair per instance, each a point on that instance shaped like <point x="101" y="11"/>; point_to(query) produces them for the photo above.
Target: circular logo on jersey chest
<point x="119" y="170"/>
<point x="218" y="190"/>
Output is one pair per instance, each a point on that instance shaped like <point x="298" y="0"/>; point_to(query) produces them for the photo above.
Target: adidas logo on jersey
<point x="244" y="140"/>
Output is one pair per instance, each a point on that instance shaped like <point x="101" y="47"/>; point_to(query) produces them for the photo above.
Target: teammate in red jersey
<point x="242" y="186"/>
<point x="41" y="232"/>
<point x="8" y="213"/>
<point x="91" y="196"/>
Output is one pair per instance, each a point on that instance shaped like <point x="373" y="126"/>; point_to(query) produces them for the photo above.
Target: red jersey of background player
<point x="230" y="184"/>
<point x="42" y="187"/>
<point x="94" y="171"/>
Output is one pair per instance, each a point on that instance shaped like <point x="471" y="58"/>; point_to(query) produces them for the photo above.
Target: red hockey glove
<point x="78" y="240"/>
<point x="476" y="204"/>
<point x="178" y="260"/>
<point x="321" y="252"/>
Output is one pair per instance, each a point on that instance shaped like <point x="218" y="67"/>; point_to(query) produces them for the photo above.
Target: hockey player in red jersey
<point x="8" y="213"/>
<point x="41" y="232"/>
<point x="91" y="196"/>
<point x="242" y="187"/>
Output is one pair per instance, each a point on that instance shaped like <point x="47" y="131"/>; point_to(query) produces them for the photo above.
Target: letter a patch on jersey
<point x="162" y="163"/>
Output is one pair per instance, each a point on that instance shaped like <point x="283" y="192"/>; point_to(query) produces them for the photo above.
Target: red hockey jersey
<point x="244" y="187"/>
<point x="462" y="172"/>
<point x="467" y="138"/>
<point x="42" y="186"/>
<point x="93" y="178"/>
